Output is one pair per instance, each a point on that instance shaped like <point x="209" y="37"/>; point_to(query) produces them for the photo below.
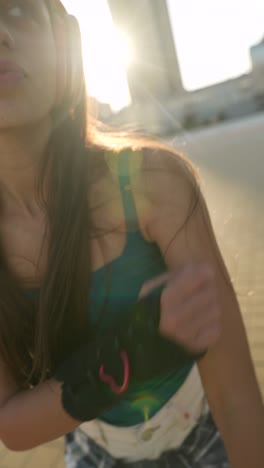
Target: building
<point x="160" y="105"/>
<point x="257" y="55"/>
<point x="257" y="59"/>
<point x="155" y="72"/>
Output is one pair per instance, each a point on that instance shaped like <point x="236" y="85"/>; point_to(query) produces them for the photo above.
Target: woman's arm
<point x="226" y="370"/>
<point x="31" y="417"/>
<point x="34" y="417"/>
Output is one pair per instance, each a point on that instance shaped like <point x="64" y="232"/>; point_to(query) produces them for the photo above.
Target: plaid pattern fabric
<point x="203" y="448"/>
<point x="83" y="452"/>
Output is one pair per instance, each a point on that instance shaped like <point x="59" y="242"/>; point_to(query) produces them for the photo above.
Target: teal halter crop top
<point x="117" y="285"/>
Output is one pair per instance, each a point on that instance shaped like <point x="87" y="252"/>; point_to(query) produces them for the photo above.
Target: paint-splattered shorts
<point x="203" y="448"/>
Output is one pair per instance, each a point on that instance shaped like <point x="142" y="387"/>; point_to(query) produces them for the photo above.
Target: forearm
<point x="33" y="417"/>
<point x="243" y="431"/>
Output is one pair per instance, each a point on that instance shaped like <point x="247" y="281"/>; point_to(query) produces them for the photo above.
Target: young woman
<point x="117" y="311"/>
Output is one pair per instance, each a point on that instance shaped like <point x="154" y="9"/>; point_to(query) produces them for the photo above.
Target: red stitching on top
<point x="108" y="379"/>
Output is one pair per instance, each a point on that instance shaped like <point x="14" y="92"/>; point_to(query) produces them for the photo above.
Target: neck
<point x="21" y="151"/>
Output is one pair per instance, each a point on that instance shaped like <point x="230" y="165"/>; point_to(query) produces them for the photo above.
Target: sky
<point x="212" y="39"/>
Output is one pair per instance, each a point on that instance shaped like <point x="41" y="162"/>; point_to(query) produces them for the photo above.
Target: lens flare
<point x="146" y="404"/>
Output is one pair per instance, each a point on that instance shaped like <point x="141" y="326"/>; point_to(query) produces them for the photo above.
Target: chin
<point x="15" y="116"/>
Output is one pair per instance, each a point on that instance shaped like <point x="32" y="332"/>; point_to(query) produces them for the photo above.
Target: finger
<point x="187" y="281"/>
<point x="186" y="309"/>
<point x="154" y="283"/>
<point x="207" y="337"/>
<point x="202" y="307"/>
<point x="185" y="323"/>
<point x="197" y="274"/>
<point x="198" y="333"/>
<point x="203" y="334"/>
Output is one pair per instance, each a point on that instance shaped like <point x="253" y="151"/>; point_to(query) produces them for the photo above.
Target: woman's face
<point x="28" y="93"/>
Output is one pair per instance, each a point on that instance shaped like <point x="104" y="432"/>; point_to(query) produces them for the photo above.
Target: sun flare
<point x="106" y="52"/>
<point x="206" y="55"/>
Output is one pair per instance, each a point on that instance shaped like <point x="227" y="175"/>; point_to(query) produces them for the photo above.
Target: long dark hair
<point x="35" y="335"/>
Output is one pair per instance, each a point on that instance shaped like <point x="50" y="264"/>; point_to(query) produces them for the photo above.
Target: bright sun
<point x="106" y="52"/>
<point x="123" y="47"/>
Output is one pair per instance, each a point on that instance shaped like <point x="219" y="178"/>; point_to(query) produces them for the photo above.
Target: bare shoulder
<point x="167" y="181"/>
<point x="163" y="169"/>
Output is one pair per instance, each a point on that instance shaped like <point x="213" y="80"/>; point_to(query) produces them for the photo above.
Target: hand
<point x="190" y="307"/>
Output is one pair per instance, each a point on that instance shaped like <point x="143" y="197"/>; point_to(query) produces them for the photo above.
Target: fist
<point x="190" y="307"/>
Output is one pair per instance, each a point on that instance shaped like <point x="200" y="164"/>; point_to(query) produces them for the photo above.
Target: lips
<point x="9" y="67"/>
<point x="11" y="75"/>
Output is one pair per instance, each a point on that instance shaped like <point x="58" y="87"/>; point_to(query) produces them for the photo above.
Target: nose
<point x="6" y="38"/>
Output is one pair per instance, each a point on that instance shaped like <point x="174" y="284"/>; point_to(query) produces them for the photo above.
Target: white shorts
<point x="166" y="430"/>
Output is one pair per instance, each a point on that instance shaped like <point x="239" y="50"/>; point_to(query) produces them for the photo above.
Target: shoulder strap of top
<point x="126" y="193"/>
